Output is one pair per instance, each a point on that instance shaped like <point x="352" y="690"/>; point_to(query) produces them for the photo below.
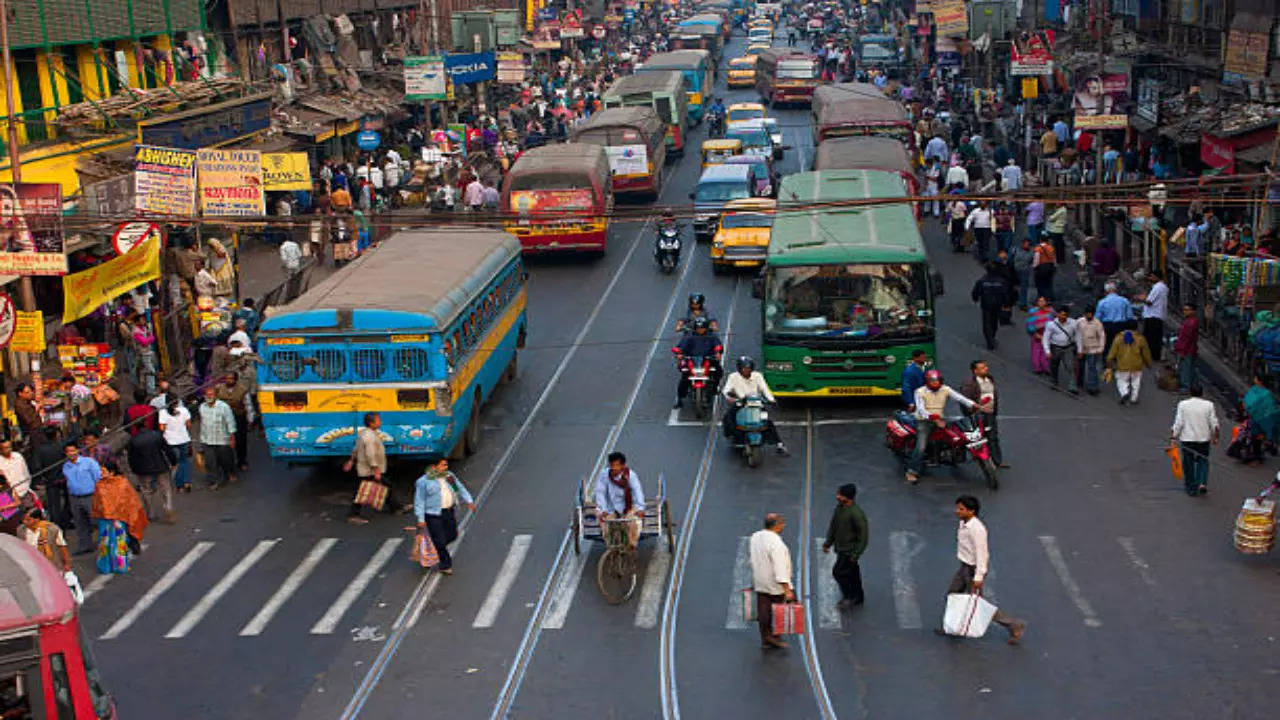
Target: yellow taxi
<point x="715" y="152"/>
<point x="760" y="24"/>
<point x="755" y="49"/>
<point x="742" y="72"/>
<point x="742" y="235"/>
<point x="744" y="111"/>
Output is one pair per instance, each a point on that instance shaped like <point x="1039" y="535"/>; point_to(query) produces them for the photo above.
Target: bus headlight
<point x="807" y="360"/>
<point x="717" y="244"/>
<point x="890" y="359"/>
<point x="780" y="366"/>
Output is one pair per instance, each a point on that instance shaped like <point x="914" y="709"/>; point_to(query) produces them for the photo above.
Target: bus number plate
<point x="860" y="390"/>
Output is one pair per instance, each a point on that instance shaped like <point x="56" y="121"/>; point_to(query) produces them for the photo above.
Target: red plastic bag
<point x="423" y="551"/>
<point x="788" y="618"/>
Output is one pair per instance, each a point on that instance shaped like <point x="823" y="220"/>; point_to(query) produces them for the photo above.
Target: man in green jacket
<point x="848" y="533"/>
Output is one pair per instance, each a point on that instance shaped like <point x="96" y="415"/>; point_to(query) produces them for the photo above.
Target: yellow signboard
<point x="1101" y="122"/>
<point x="285" y="171"/>
<point x="28" y="333"/>
<point x="85" y="291"/>
<point x="1030" y="88"/>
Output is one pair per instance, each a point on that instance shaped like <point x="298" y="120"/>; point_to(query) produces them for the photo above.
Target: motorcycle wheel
<point x="700" y="403"/>
<point x="754" y="453"/>
<point x="993" y="474"/>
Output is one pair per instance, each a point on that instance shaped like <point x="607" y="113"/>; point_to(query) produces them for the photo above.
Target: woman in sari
<point x="121" y="521"/>
<point x="1262" y="409"/>
<point x="1037" y="319"/>
<point x="10" y="507"/>
<point x="222" y="269"/>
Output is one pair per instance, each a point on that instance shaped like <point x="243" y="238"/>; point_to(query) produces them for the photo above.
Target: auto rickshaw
<point x="715" y="152"/>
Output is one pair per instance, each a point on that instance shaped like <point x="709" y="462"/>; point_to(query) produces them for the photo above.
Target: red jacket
<point x="1188" y="338"/>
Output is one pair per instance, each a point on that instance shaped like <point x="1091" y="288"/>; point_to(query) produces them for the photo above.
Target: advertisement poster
<point x="951" y="17"/>
<point x="28" y="333"/>
<point x="285" y="171"/>
<point x="470" y="67"/>
<point x="231" y="183"/>
<point x="31" y="229"/>
<point x="424" y="78"/>
<point x="510" y="68"/>
<point x="164" y="181"/>
<point x="8" y="319"/>
<point x="628" y="159"/>
<point x="1101" y="94"/>
<point x="85" y="291"/>
<point x="1247" y="53"/>
<point x="534" y="201"/>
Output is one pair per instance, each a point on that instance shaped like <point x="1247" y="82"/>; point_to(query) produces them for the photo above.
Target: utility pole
<point x="286" y="54"/>
<point x="1100" y="106"/>
<point x="26" y="293"/>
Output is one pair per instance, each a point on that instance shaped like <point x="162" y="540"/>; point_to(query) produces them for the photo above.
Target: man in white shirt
<point x="290" y="257"/>
<point x="979" y="221"/>
<point x="14" y="469"/>
<point x="770" y="576"/>
<point x="931" y="401"/>
<point x="473" y="195"/>
<point x="1011" y="176"/>
<point x="1155" y="310"/>
<point x="957" y="175"/>
<point x="1195" y="428"/>
<point x="975" y="560"/>
<point x="740" y="386"/>
<point x="1063" y="346"/>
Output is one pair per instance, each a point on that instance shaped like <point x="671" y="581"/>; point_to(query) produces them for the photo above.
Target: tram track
<point x="804" y="577"/>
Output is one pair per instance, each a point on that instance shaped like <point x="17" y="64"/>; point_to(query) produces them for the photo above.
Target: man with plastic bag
<point x="964" y="616"/>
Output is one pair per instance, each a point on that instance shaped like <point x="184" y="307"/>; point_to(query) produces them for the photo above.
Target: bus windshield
<point x="797" y="70"/>
<point x="850" y="301"/>
<point x="720" y="192"/>
<point x="746" y="220"/>
<point x="897" y="132"/>
<point x="547" y="181"/>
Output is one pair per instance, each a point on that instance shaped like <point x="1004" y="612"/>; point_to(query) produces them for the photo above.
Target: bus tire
<point x="471" y="436"/>
<point x="522" y="337"/>
<point x="509" y="375"/>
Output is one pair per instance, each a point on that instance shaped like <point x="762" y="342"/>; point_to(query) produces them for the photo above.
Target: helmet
<point x="667" y="214"/>
<point x="745" y="361"/>
<point x="933" y="378"/>
<point x="701" y="323"/>
<point x="697" y="300"/>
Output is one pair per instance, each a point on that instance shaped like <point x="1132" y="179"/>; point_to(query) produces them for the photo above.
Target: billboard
<point x="164" y="181"/>
<point x="231" y="183"/>
<point x="31" y="229"/>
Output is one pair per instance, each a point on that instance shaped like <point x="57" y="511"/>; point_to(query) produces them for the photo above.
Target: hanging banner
<point x="470" y="67"/>
<point x="424" y="78"/>
<point x="510" y="68"/>
<point x="1247" y="53"/>
<point x="28" y="333"/>
<point x="8" y="319"/>
<point x="285" y="171"/>
<point x="951" y="18"/>
<point x="230" y="183"/>
<point x="84" y="292"/>
<point x="164" y="181"/>
<point x="31" y="229"/>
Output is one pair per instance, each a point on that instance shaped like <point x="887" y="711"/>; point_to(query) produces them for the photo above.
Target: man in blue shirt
<point x="620" y="496"/>
<point x="1062" y="131"/>
<point x="82" y="474"/>
<point x="1115" y="313"/>
<point x="913" y="378"/>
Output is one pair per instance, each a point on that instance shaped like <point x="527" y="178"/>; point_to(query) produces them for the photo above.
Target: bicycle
<point x="616" y="571"/>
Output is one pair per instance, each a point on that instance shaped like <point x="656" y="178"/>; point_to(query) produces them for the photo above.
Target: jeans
<point x="443" y="529"/>
<point x="81" y="512"/>
<point x="1195" y="465"/>
<point x="982" y="243"/>
<point x="849" y="577"/>
<point x="1062" y="359"/>
<point x="1004" y="240"/>
<point x="1024" y="289"/>
<point x="924" y="428"/>
<point x="1186" y="372"/>
<point x="182" y="466"/>
<point x="1092" y="372"/>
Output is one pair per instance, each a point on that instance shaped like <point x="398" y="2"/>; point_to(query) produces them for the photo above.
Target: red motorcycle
<point x="700" y="374"/>
<point x="951" y="444"/>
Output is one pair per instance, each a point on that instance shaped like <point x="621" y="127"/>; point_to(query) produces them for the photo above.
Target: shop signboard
<point x="1101" y="122"/>
<point x="31" y="229"/>
<point x="208" y="126"/>
<point x="28" y="332"/>
<point x="285" y="171"/>
<point x="231" y="183"/>
<point x="1247" y="53"/>
<point x="164" y="181"/>
<point x="510" y="68"/>
<point x="110" y="198"/>
<point x="470" y="67"/>
<point x="424" y="78"/>
<point x="1101" y="95"/>
<point x="1030" y="88"/>
<point x="1027" y="67"/>
<point x="951" y="17"/>
<point x="85" y="291"/>
<point x="368" y="140"/>
<point x="1217" y="153"/>
<point x="129" y="234"/>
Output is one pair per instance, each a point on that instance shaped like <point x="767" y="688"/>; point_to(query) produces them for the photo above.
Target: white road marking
<point x="903" y="546"/>
<point x="220" y="588"/>
<point x="1059" y="563"/>
<point x="96" y="584"/>
<point x="1144" y="570"/>
<point x="166" y="581"/>
<point x="488" y="611"/>
<point x="288" y="587"/>
<point x="329" y="622"/>
<point x="828" y="590"/>
<point x="651" y="591"/>
<point x="741" y="580"/>
<point x="566" y="588"/>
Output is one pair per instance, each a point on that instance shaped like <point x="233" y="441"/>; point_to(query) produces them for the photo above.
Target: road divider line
<point x="219" y="589"/>
<point x="904" y="545"/>
<point x="741" y="581"/>
<point x="1059" y="563"/>
<point x="288" y="587"/>
<point x="329" y="621"/>
<point x="1144" y="570"/>
<point x="828" y="590"/>
<point x="96" y="584"/>
<point x="166" y="581"/>
<point x="501" y="587"/>
<point x="651" y="590"/>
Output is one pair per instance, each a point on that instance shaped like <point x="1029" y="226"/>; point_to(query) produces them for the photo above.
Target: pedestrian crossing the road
<point x="260" y="566"/>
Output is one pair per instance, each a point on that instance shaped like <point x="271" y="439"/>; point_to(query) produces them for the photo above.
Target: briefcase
<point x="788" y="618"/>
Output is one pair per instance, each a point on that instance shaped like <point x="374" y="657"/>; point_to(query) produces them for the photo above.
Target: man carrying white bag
<point x="967" y="613"/>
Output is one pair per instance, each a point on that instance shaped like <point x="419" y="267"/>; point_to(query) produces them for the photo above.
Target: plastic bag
<point x="748" y="596"/>
<point x="73" y="584"/>
<point x="423" y="551"/>
<point x="967" y="615"/>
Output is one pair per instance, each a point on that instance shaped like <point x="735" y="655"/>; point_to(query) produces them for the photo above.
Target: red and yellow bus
<point x="635" y="139"/>
<point x="559" y="198"/>
<point x="786" y="76"/>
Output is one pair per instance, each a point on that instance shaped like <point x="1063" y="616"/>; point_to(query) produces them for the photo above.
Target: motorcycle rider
<point x="666" y="224"/>
<point x="697" y="308"/>
<point x="717" y="114"/>
<point x="931" y="402"/>
<point x="701" y="343"/>
<point x="741" y="385"/>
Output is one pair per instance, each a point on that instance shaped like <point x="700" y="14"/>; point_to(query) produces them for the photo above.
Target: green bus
<point x="698" y="71"/>
<point x="662" y="90"/>
<point x="848" y="290"/>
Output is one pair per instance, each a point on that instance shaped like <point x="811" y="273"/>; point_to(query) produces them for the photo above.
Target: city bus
<point x="420" y="329"/>
<point x="868" y="153"/>
<point x="848" y="292"/>
<point x="698" y="71"/>
<point x="786" y="76"/>
<point x="846" y="109"/>
<point x="704" y="31"/>
<point x="634" y="138"/>
<point x="664" y="92"/>
<point x="559" y="198"/>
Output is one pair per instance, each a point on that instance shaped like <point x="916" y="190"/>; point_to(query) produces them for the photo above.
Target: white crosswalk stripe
<point x="741" y="579"/>
<point x="166" y="581"/>
<point x="288" y="587"/>
<point x="828" y="590"/>
<point x="903" y="546"/>
<point x="211" y="598"/>
<point x="329" y="622"/>
<point x="566" y="588"/>
<point x="488" y="611"/>
<point x="1069" y="584"/>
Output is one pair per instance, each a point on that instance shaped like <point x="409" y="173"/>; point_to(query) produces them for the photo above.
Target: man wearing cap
<point x="848" y="534"/>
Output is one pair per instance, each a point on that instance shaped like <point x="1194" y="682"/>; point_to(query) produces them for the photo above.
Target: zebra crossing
<point x="903" y="564"/>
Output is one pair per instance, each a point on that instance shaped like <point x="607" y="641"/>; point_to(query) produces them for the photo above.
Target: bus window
<point x="458" y="348"/>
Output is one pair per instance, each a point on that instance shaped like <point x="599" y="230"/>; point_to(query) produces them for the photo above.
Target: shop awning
<point x="318" y="126"/>
<point x="1256" y="155"/>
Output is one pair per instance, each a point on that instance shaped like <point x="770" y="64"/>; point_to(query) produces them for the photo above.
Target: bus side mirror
<point x="935" y="279"/>
<point x="692" y="195"/>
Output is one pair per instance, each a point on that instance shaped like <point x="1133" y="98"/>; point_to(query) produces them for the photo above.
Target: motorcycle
<point x="698" y="372"/>
<point x="716" y="129"/>
<point x="749" y="422"/>
<point x="667" y="248"/>
<point x="952" y="444"/>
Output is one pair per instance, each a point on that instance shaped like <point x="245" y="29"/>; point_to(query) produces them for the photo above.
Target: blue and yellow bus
<point x="420" y="330"/>
<point x="698" y="71"/>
